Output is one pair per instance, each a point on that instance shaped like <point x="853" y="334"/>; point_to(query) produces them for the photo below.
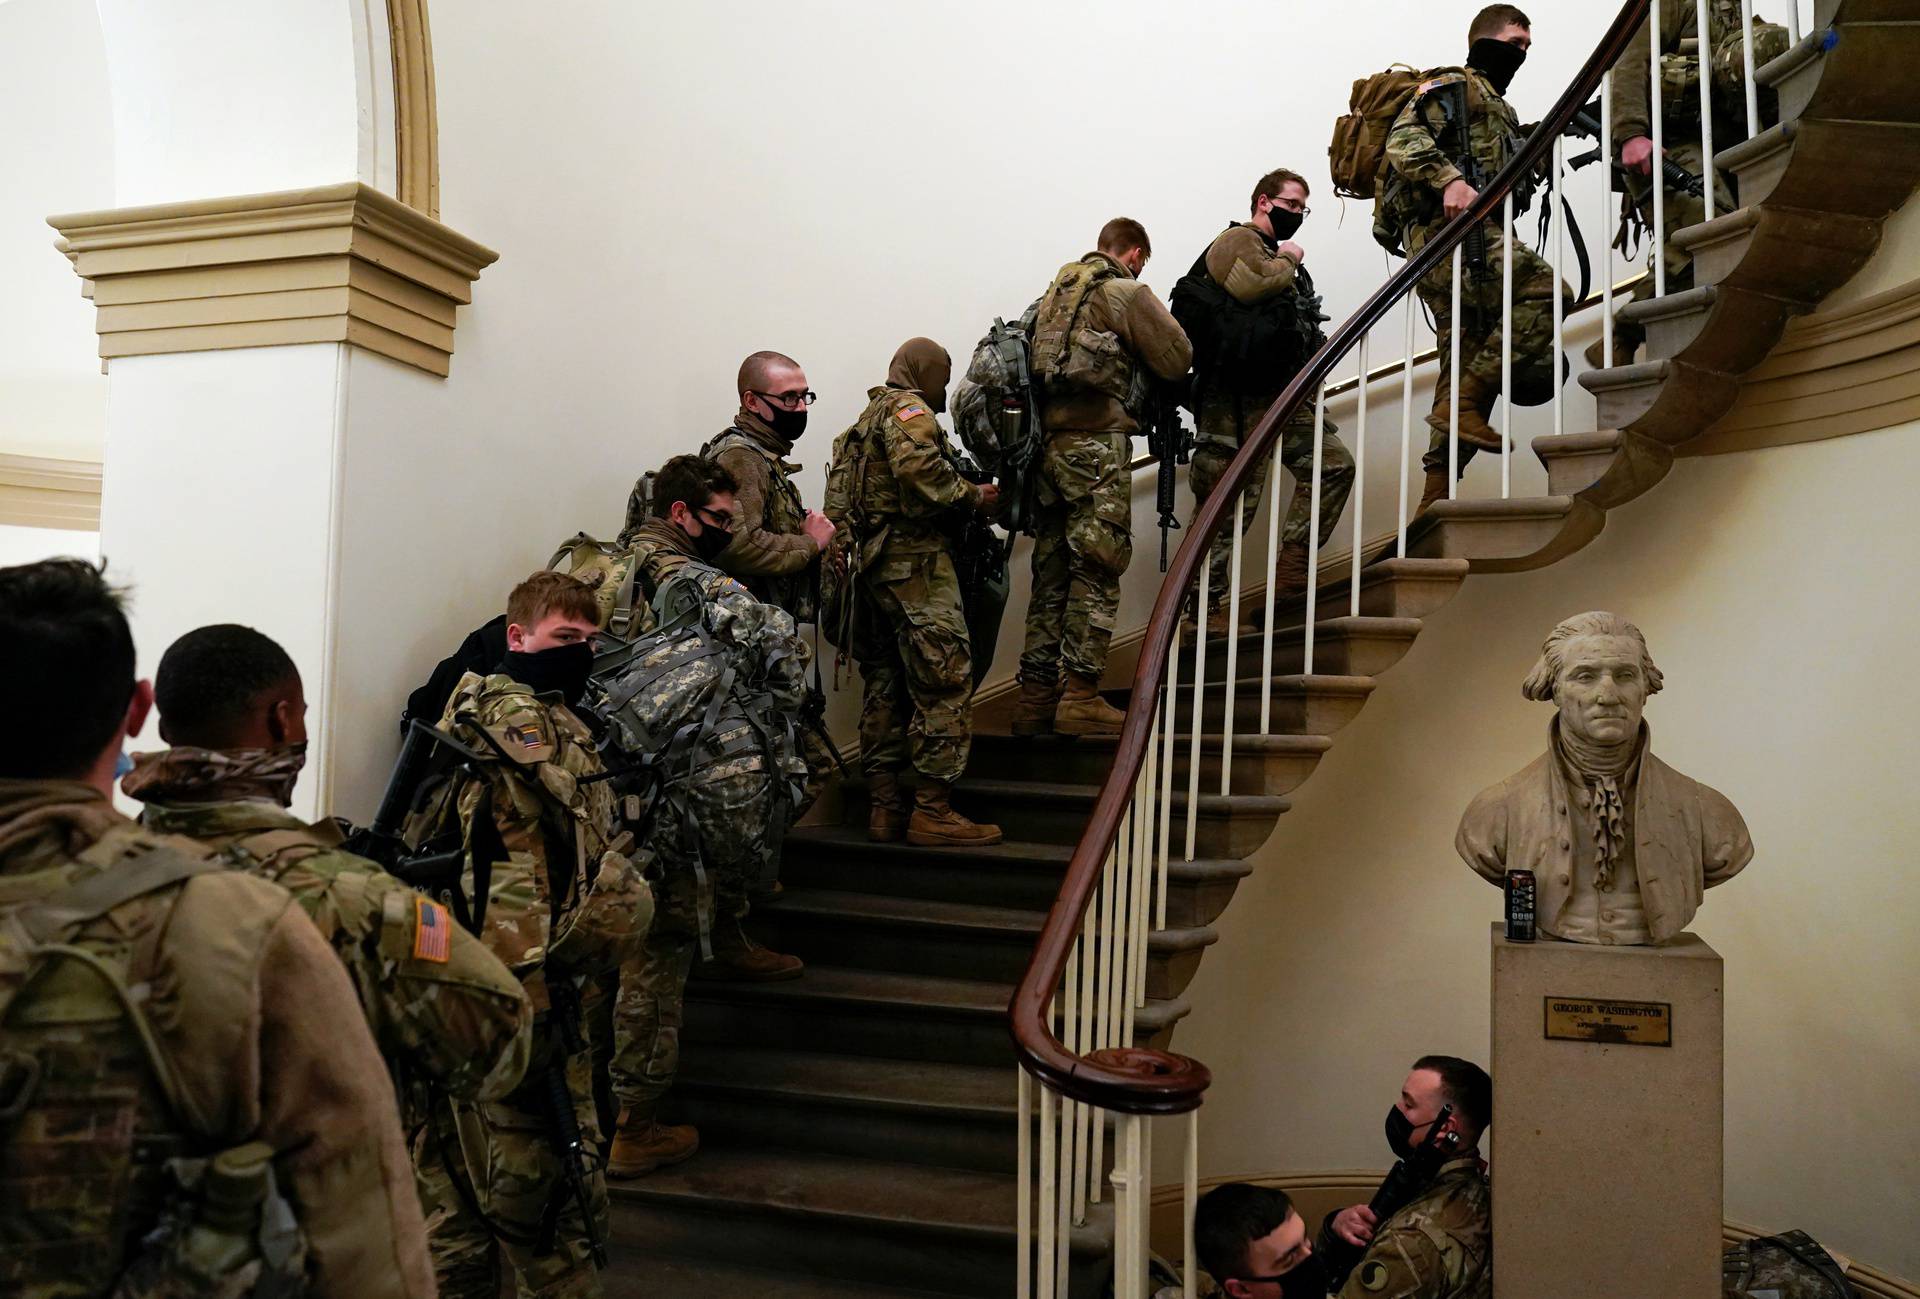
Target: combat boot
<point x="641" y="1145"/>
<point x="936" y="825"/>
<point x="1435" y="490"/>
<point x="1476" y="400"/>
<point x="1290" y="569"/>
<point x="1082" y="711"/>
<point x="886" y="807"/>
<point x="738" y="959"/>
<point x="1219" y="625"/>
<point x="1033" y="714"/>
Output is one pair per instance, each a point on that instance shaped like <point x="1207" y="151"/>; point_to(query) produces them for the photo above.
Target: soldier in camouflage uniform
<point x="155" y="1005"/>
<point x="1099" y="325"/>
<point x="1680" y="131"/>
<point x="1439" y="1245"/>
<point x="894" y="486"/>
<point x="444" y="1010"/>
<point x="490" y="1173"/>
<point x="1422" y="190"/>
<point x="694" y="504"/>
<point x="1258" y="262"/>
<point x="1251" y="1243"/>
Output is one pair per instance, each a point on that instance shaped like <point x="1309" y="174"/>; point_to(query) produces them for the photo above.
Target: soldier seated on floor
<point x="1253" y="1243"/>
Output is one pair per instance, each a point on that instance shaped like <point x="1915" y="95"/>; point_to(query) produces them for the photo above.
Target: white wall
<point x="59" y="158"/>
<point x="1360" y="941"/>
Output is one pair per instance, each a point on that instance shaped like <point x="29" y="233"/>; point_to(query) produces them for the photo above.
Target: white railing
<point x="1098" y="939"/>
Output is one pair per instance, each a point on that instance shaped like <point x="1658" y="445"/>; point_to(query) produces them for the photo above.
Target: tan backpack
<point x="609" y="568"/>
<point x="1359" y="148"/>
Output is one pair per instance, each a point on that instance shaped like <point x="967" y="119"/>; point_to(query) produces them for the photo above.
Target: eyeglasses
<point x="1303" y="209"/>
<point x="714" y="518"/>
<point x="787" y="400"/>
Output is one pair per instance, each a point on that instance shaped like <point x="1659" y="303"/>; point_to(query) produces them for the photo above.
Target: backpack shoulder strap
<point x="149" y="868"/>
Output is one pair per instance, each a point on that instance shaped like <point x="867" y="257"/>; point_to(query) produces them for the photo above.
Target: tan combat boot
<point x="1083" y="712"/>
<point x="641" y="1145"/>
<point x="1476" y="399"/>
<point x="1435" y="490"/>
<point x="1218" y="626"/>
<point x="738" y="959"/>
<point x="1290" y="569"/>
<point x="1033" y="714"/>
<point x="886" y="807"/>
<point x="936" y="825"/>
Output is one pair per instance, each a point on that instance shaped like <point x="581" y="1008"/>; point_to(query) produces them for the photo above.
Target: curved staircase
<point x="858" y="1125"/>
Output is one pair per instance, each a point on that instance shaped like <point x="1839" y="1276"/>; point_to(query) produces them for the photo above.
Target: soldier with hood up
<point x="894" y="485"/>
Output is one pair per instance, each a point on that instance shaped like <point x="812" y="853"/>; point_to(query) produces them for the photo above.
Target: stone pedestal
<point x="1608" y="1067"/>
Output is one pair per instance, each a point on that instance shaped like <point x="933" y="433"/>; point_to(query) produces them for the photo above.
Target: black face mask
<point x="564" y="668"/>
<point x="1400" y="1133"/>
<point x="789" y="424"/>
<point x="1308" y="1280"/>
<point x="1285" y="223"/>
<point x="1496" y="60"/>
<point x="711" y="540"/>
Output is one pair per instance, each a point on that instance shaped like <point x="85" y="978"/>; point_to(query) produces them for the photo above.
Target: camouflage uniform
<point x="442" y="1007"/>
<point x="1440" y="1246"/>
<point x="1246" y="264"/>
<point x="647" y="1018"/>
<point x="1680" y="111"/>
<point x="1083" y="541"/>
<point x="535" y="808"/>
<point x="1418" y="173"/>
<point x="256" y="1038"/>
<point x="914" y="654"/>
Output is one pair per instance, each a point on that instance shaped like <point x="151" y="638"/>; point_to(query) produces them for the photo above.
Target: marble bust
<point x="1621" y="845"/>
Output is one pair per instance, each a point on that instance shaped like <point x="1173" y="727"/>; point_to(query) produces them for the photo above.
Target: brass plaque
<point x="1623" y="1023"/>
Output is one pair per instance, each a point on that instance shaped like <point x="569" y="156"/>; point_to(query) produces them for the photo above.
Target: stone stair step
<point x="1016" y="873"/>
<point x="753" y="1097"/>
<point x="1668" y="401"/>
<point x="1509" y="536"/>
<point x="878" y="1013"/>
<point x="636" y="1271"/>
<point x="1719" y="327"/>
<point x="1311" y="705"/>
<point x="1229" y="825"/>
<point x="866" y="1220"/>
<point x="1342" y="646"/>
<point x="1796" y="75"/>
<point x="1605" y="467"/>
<point x="1262" y="764"/>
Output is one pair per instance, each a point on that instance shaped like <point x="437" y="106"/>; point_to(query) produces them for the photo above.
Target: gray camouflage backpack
<point x="1788" y="1266"/>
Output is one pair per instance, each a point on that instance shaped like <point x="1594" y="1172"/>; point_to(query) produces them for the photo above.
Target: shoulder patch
<point x="526" y="735"/>
<point x="1373" y="1275"/>
<point x="907" y="414"/>
<point x="1444" y="79"/>
<point x="432" y="931"/>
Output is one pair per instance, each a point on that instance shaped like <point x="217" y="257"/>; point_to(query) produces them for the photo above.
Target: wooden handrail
<point x="1137" y="1080"/>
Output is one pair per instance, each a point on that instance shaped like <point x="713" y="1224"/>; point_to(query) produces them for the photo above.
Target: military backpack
<point x="1068" y="356"/>
<point x="1791" y="1265"/>
<point x="1246" y="347"/>
<point x="1358" y="152"/>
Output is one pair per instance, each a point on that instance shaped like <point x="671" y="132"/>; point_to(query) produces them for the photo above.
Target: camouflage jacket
<point x="765" y="631"/>
<point x="770" y="552"/>
<point x="256" y="1037"/>
<point x="441" y="1006"/>
<point x="1419" y="168"/>
<point x="906" y="487"/>
<point x="1440" y="1246"/>
<point x="1680" y="75"/>
<point x="549" y="834"/>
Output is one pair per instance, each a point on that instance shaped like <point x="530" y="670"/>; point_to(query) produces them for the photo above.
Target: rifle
<point x="563" y="1002"/>
<point x="1453" y="107"/>
<point x="1021" y="438"/>
<point x="435" y="867"/>
<point x="1406" y="1179"/>
<point x="1586" y="125"/>
<point x="980" y="564"/>
<point x="1172" y="441"/>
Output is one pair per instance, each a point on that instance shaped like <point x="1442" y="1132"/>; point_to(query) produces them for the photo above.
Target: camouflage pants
<point x="505" y="1161"/>
<point x="650" y="1009"/>
<point x="916" y="666"/>
<point x="1682" y="210"/>
<point x="1223" y="425"/>
<point x="1481" y="338"/>
<point x="1082" y="546"/>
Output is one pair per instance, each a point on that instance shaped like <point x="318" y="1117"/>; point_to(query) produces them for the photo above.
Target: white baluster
<point x="1143" y="876"/>
<point x="1753" y="88"/>
<point x="1189" y="1201"/>
<point x="1233" y="641"/>
<point x="1023" y="1229"/>
<point x="1558" y="217"/>
<point x="1506" y="335"/>
<point x="1085" y="1170"/>
<point x="1606" y="216"/>
<point x="1453" y="388"/>
<point x="1072" y="1157"/>
<point x="1129" y="1246"/>
<point x="1199" y="703"/>
<point x="1104" y="1031"/>
<point x="1273" y="559"/>
<point x="1168" y="699"/>
<point x="1313" y="528"/>
<point x="1049" y="1191"/>
<point x="1706" y="102"/>
<point x="1359" y="495"/>
<point x="1793" y="21"/>
<point x="1658" y="177"/>
<point x="1406" y="421"/>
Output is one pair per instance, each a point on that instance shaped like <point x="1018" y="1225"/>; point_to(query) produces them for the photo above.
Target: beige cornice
<point x="1851" y="370"/>
<point x="337" y="263"/>
<point x="416" y="125"/>
<point x="36" y="492"/>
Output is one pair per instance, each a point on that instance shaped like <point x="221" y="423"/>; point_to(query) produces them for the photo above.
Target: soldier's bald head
<point x="759" y="372"/>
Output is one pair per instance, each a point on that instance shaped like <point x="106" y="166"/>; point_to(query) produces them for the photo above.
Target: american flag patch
<point x="432" y="931"/>
<point x="906" y="413"/>
<point x="526" y="736"/>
